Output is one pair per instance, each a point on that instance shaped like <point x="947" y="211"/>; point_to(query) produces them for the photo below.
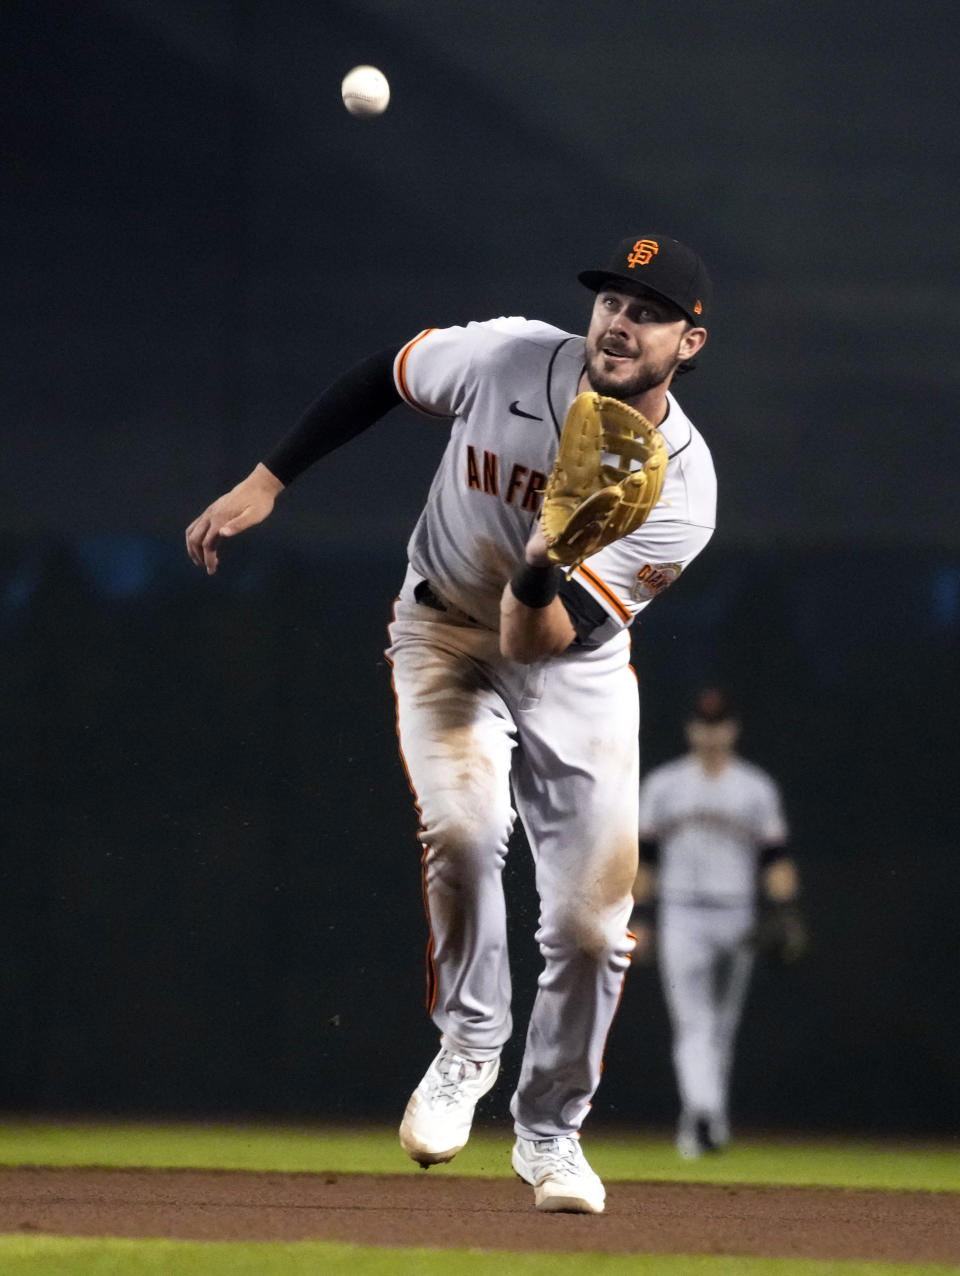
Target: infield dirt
<point x="451" y="1212"/>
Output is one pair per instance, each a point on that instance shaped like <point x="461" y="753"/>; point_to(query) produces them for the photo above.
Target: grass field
<point x="291" y="1149"/>
<point x="51" y="1256"/>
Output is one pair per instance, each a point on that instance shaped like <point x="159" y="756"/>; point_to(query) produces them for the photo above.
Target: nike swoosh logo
<point x="518" y="411"/>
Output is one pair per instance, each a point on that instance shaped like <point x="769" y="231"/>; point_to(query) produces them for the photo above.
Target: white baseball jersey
<point x="710" y="828"/>
<point x="485" y="738"/>
<point x="507" y="383"/>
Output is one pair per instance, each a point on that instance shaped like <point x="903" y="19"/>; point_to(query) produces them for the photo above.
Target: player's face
<point x="635" y="343"/>
<point x="712" y="737"/>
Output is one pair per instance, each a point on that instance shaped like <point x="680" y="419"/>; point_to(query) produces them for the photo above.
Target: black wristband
<point x="536" y="586"/>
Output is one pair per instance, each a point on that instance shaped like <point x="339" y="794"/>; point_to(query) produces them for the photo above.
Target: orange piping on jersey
<point x="602" y="588"/>
<point x="431" y="971"/>
<point x="431" y="965"/>
<point x="402" y="374"/>
<point x="636" y="676"/>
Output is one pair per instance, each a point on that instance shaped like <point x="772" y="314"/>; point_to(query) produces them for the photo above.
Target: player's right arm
<point x="347" y="407"/>
<point x="243" y="506"/>
<point x="534" y="627"/>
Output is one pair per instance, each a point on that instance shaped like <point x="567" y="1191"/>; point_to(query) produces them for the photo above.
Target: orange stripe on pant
<point x="431" y="969"/>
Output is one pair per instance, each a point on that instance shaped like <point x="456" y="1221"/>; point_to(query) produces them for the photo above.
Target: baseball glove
<point x="780" y="935"/>
<point x="590" y="502"/>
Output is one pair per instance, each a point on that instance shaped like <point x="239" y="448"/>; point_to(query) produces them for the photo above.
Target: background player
<point x="712" y="832"/>
<point x="514" y="692"/>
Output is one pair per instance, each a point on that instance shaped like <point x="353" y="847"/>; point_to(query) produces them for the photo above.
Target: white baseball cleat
<point x="697" y="1137"/>
<point x="437" y="1120"/>
<point x="559" y="1174"/>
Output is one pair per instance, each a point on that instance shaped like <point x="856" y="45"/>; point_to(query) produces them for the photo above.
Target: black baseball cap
<point x="661" y="265"/>
<point x="711" y="704"/>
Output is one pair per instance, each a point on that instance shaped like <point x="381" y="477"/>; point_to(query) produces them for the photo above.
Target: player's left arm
<point x="643" y="919"/>
<point x="780" y="933"/>
<point x="608" y="591"/>
<point x="779" y="878"/>
<point x="534" y="623"/>
<point x="542" y="612"/>
<point x="781" y="930"/>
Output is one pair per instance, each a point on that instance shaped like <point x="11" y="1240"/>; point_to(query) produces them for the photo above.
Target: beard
<point x="643" y="380"/>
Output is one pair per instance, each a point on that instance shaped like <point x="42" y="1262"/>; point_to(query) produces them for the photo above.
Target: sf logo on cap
<point x="643" y="250"/>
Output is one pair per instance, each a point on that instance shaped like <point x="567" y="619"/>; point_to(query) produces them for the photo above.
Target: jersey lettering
<point x="484" y="476"/>
<point x="491" y="471"/>
<point x="490" y="483"/>
<point x="533" y="496"/>
<point x="653" y="579"/>
<point x="516" y="481"/>
<point x="473" y="469"/>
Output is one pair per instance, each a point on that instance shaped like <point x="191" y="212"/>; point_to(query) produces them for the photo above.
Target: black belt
<point x="423" y="593"/>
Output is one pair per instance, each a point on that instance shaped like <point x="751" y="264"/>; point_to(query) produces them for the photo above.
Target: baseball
<point x="365" y="91"/>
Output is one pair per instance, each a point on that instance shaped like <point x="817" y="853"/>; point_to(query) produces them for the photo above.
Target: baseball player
<point x="514" y="692"/>
<point x="712" y="832"/>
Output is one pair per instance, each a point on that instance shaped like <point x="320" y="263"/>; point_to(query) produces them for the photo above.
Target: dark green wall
<point x="210" y="890"/>
<point x="210" y="897"/>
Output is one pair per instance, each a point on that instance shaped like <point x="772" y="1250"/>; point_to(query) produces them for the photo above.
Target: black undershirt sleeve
<point x="770" y="854"/>
<point x="649" y="852"/>
<point x="345" y="409"/>
<point x="584" y="611"/>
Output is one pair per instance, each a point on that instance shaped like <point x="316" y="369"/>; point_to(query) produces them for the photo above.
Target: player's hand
<point x="780" y="935"/>
<point x="535" y="553"/>
<point x="245" y="505"/>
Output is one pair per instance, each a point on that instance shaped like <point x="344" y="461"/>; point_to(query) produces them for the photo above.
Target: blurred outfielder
<point x="712" y="839"/>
